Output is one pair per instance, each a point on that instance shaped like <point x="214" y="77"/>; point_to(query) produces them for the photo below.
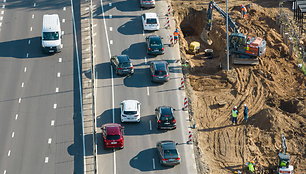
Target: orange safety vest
<point x="243" y="9"/>
<point x="176" y="33"/>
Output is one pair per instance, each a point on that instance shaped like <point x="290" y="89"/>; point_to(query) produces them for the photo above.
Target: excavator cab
<point x="283" y="164"/>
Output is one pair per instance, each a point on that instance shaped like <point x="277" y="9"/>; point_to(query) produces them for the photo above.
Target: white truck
<point x="51" y="34"/>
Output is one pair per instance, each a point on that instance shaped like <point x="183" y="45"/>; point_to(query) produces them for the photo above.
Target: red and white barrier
<point x="167" y="25"/>
<point x="171" y="40"/>
<point x="189" y="138"/>
<point x="182" y="84"/>
<point x="169" y="10"/>
<point x="185" y="108"/>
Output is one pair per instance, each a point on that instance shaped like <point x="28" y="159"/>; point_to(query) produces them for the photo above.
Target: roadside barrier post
<point x="182" y="83"/>
<point x="189" y="138"/>
<point x="185" y="108"/>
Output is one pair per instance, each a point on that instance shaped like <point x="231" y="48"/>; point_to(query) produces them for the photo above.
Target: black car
<point x="147" y="3"/>
<point x="155" y="45"/>
<point x="165" y="117"/>
<point x="122" y="65"/>
<point x="169" y="155"/>
<point x="159" y="71"/>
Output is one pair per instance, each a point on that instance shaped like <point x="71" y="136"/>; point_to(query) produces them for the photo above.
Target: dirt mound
<point x="274" y="90"/>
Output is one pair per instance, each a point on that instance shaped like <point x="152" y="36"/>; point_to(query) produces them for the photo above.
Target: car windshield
<point x="167" y="117"/>
<point x="155" y="43"/>
<point x="130" y="112"/>
<point x="151" y="21"/>
<point x="170" y="153"/>
<point x="50" y="35"/>
<point x="125" y="65"/>
<point x="113" y="137"/>
<point x="160" y="73"/>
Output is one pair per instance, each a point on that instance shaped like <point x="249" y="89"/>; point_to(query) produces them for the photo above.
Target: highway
<point x="39" y="122"/>
<point x="118" y="30"/>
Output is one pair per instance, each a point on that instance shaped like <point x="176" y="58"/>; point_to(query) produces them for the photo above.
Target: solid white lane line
<point x="4" y="0"/>
<point x="2" y="12"/>
<point x="110" y="4"/>
<point x="111" y="42"/>
<point x="63" y="21"/>
<point x="60" y="59"/>
<point x="1" y="18"/>
<point x="16" y="116"/>
<point x="34" y="5"/>
<point x="13" y="134"/>
<point x="25" y="69"/>
<point x="52" y="122"/>
<point x="153" y="160"/>
<point x="19" y="100"/>
<point x="145" y="60"/>
<point x="4" y="172"/>
<point x="22" y="84"/>
<point x="58" y="74"/>
<point x="150" y="125"/>
<point x="49" y="140"/>
<point x="27" y="55"/>
<point x="110" y="28"/>
<point x="9" y="153"/>
<point x="32" y="16"/>
<point x="29" y="42"/>
<point x="64" y="8"/>
<point x="0" y="24"/>
<point x="54" y="106"/>
<point x="148" y="91"/>
<point x="31" y="29"/>
<point x="3" y="6"/>
<point x="110" y="16"/>
<point x="56" y="89"/>
<point x="46" y="159"/>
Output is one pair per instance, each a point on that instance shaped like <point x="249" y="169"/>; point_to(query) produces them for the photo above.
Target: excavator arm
<point x="212" y="5"/>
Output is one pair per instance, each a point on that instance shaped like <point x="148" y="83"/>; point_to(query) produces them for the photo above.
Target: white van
<point x="51" y="36"/>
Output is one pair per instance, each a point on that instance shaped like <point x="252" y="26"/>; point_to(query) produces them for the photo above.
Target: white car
<point x="130" y="111"/>
<point x="150" y="22"/>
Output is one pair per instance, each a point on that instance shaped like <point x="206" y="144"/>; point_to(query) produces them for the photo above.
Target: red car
<point x="112" y="134"/>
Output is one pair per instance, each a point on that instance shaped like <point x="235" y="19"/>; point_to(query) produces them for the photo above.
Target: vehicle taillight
<point x="163" y="49"/>
<point x="131" y="67"/>
<point x="149" y="49"/>
<point x="165" y="159"/>
<point x="173" y="121"/>
<point x="177" y="158"/>
<point x="119" y="68"/>
<point x="154" y="75"/>
<point x="159" y="121"/>
<point x="166" y="75"/>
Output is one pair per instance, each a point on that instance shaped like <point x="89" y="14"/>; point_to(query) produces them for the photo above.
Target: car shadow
<point x="43" y="5"/>
<point x="136" y="50"/>
<point x="138" y="81"/>
<point x="132" y="27"/>
<point x="103" y="71"/>
<point x="107" y="117"/>
<point x="143" y="160"/>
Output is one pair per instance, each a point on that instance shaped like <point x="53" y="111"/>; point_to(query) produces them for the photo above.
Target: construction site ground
<point x="274" y="91"/>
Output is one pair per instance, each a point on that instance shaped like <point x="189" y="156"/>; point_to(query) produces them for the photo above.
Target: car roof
<point x="168" y="144"/>
<point x="154" y="37"/>
<point x="160" y="65"/>
<point x="151" y="15"/>
<point x="166" y="110"/>
<point x="130" y="105"/>
<point x="112" y="128"/>
<point x="123" y="58"/>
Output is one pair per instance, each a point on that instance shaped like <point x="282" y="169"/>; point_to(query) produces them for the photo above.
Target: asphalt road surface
<point x="40" y="121"/>
<point x="118" y="30"/>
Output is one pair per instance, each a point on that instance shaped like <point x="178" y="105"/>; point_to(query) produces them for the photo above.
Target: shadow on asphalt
<point x="136" y="51"/>
<point x="43" y="5"/>
<point x="140" y="79"/>
<point x="131" y="27"/>
<point x="107" y="117"/>
<point x="143" y="161"/>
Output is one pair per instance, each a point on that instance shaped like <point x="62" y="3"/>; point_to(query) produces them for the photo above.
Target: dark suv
<point x="155" y="45"/>
<point x="165" y="117"/>
<point x="122" y="65"/>
<point x="159" y="71"/>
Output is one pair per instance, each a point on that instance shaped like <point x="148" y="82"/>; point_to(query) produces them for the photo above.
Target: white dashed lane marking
<point x="34" y="5"/>
<point x="4" y="172"/>
<point x="32" y="16"/>
<point x="19" y="100"/>
<point x="110" y="28"/>
<point x="29" y="42"/>
<point x="25" y="69"/>
<point x="148" y="91"/>
<point x="110" y="16"/>
<point x="54" y="106"/>
<point x="22" y="84"/>
<point x="56" y="89"/>
<point x="153" y="161"/>
<point x="27" y="55"/>
<point x="9" y="153"/>
<point x="111" y="42"/>
<point x="150" y="125"/>
<point x="16" y="116"/>
<point x="52" y="122"/>
<point x="13" y="134"/>
<point x="60" y="59"/>
<point x="1" y="18"/>
<point x="63" y="21"/>
<point x="49" y="140"/>
<point x="3" y="6"/>
<point x="145" y="60"/>
<point x="64" y="8"/>
<point x="2" y="12"/>
<point x="58" y="74"/>
<point x="31" y="29"/>
<point x="46" y="159"/>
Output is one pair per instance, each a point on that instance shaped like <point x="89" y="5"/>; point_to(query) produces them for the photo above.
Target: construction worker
<point x="250" y="166"/>
<point x="282" y="163"/>
<point x="245" y="113"/>
<point x="234" y="115"/>
<point x="243" y="11"/>
<point x="176" y="35"/>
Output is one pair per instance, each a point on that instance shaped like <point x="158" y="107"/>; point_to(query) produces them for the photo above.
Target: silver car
<point x="169" y="156"/>
<point x="159" y="71"/>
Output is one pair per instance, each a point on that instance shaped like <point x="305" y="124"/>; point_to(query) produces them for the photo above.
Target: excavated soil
<point x="274" y="91"/>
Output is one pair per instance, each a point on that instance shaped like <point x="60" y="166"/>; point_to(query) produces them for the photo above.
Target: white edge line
<point x="148" y="90"/>
<point x="153" y="161"/>
<point x="150" y="124"/>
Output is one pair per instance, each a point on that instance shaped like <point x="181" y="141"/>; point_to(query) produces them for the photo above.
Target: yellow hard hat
<point x="252" y="162"/>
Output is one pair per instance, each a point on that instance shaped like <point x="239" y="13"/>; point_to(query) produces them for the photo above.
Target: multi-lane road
<point x="39" y="122"/>
<point x="118" y="30"/>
